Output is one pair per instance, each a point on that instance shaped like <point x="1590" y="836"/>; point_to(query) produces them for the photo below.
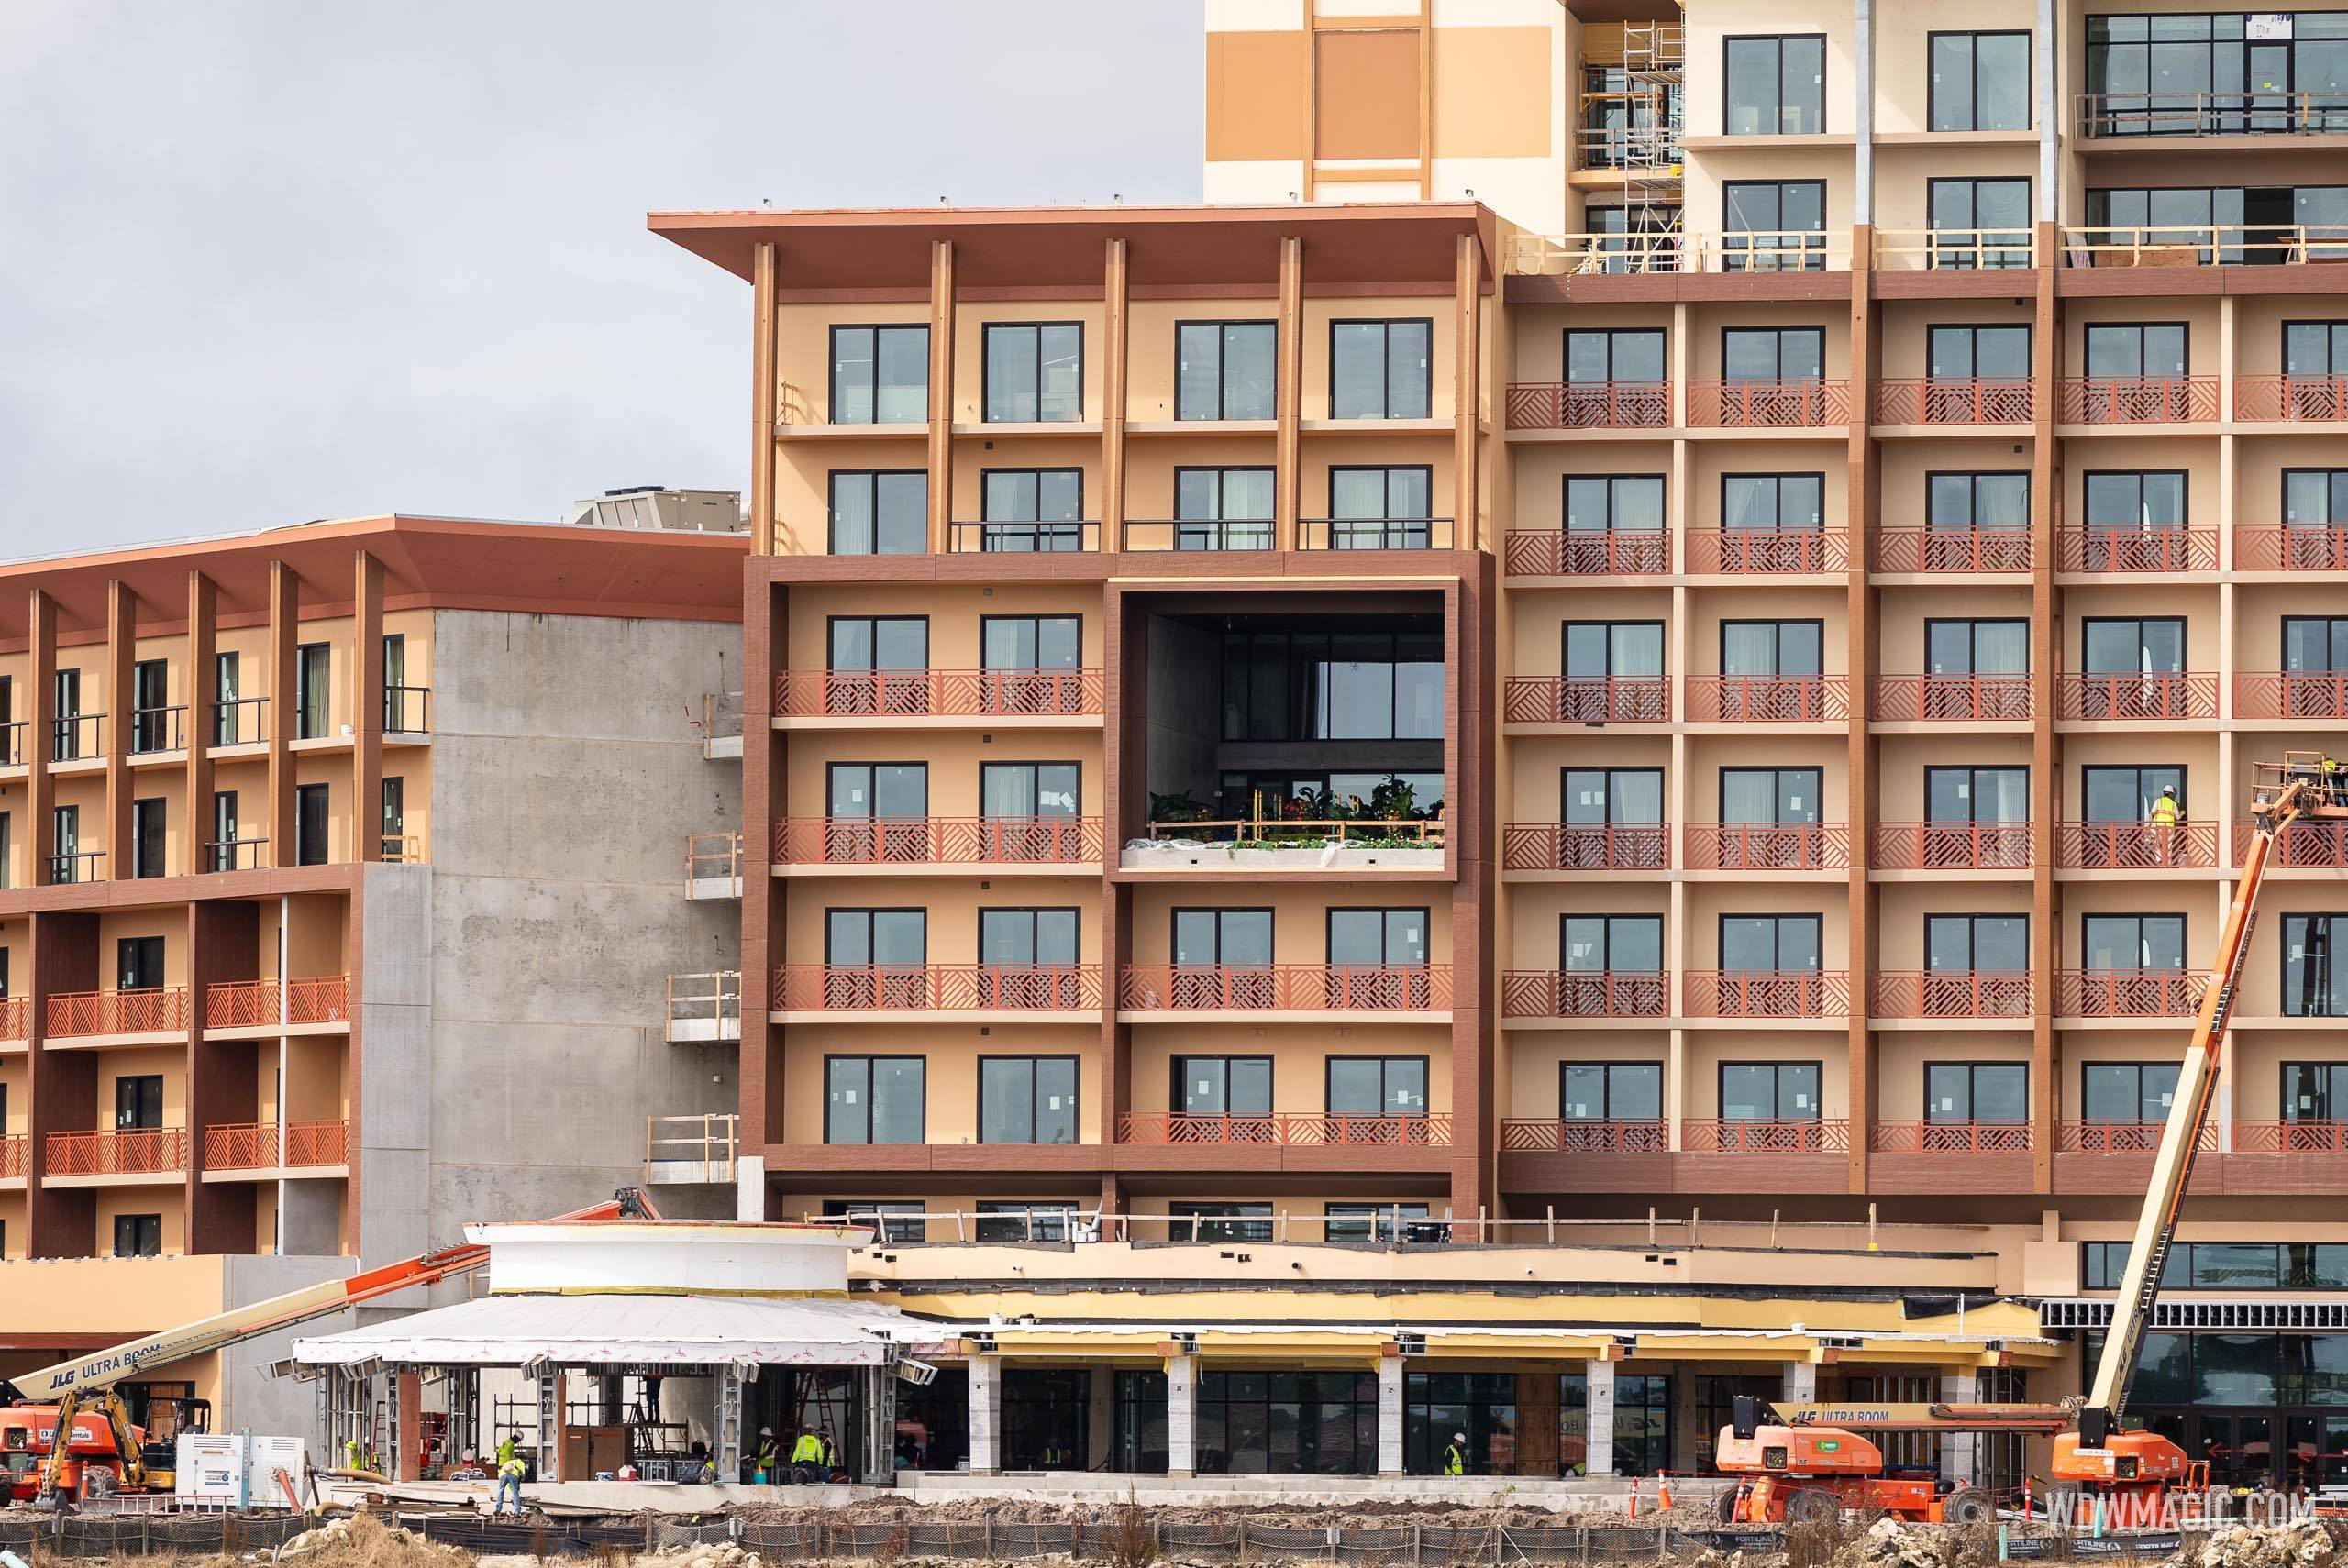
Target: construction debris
<point x="362" y="1540"/>
<point x="2300" y="1543"/>
<point x="703" y="1554"/>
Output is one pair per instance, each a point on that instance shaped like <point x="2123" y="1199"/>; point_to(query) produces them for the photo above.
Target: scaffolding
<point x="1629" y="128"/>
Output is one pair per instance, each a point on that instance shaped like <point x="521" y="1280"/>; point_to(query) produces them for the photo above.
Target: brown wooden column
<point x="223" y="1076"/>
<point x="766" y="651"/>
<point x="367" y="746"/>
<point x="203" y="646"/>
<point x="1470" y="616"/>
<point x="1467" y="292"/>
<point x="1123" y="806"/>
<point x="1864" y="506"/>
<point x="284" y="636"/>
<point x="941" y="394"/>
<point x="1114" y="359"/>
<point x="765" y="397"/>
<point x="122" y="647"/>
<point x="40" y="715"/>
<point x="60" y="1222"/>
<point x="1288" y="393"/>
<point x="2045" y="754"/>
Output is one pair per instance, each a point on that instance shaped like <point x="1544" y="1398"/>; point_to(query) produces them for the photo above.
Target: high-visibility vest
<point x="504" y="1449"/>
<point x="808" y="1450"/>
<point x="511" y="1469"/>
<point x="1454" y="1462"/>
<point x="2164" y="811"/>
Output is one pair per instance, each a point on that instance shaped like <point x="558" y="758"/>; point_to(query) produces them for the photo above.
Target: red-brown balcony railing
<point x="1588" y="405"/>
<point x="1746" y="405"/>
<point x="2291" y="1138"/>
<point x="1731" y="1136"/>
<point x="17" y="1017"/>
<point x="1951" y="993"/>
<point x="2137" y="845"/>
<point x="2291" y="397"/>
<point x="937" y="693"/>
<point x="2122" y="1137"/>
<point x="2291" y="547"/>
<point x="1956" y="698"/>
<point x="255" y="1004"/>
<point x="1918" y="550"/>
<point x="1585" y="846"/>
<point x="1284" y="988"/>
<point x="2299" y="694"/>
<point x="1431" y="1131"/>
<point x="1753" y="552"/>
<point x="1764" y="993"/>
<point x="1546" y="993"/>
<point x="2308" y="844"/>
<point x="16" y="1152"/>
<point x="161" y="1010"/>
<point x="1765" y="846"/>
<point x="2136" y="549"/>
<point x="1952" y="847"/>
<point x="2137" y="400"/>
<point x="936" y="840"/>
<point x="1631" y="700"/>
<point x="145" y="1150"/>
<point x="1585" y="1137"/>
<point x="2169" y="695"/>
<point x="258" y="1145"/>
<point x="2128" y="993"/>
<point x="1612" y="552"/>
<point x="1947" y="400"/>
<point x="1950" y="1138"/>
<point x="1768" y="699"/>
<point x="927" y="987"/>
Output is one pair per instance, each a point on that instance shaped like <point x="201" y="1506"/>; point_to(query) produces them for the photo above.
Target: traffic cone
<point x="1663" y="1493"/>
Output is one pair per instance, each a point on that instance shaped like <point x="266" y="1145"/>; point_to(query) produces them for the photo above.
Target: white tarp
<point x="672" y="1331"/>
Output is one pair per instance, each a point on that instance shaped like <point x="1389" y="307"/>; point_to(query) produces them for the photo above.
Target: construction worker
<point x="2165" y="817"/>
<point x="807" y="1459"/>
<point x="769" y="1454"/>
<point x="506" y="1447"/>
<point x="1455" y="1457"/>
<point x="509" y="1484"/>
<point x="831" y="1454"/>
<point x="2331" y="780"/>
<point x="350" y="1455"/>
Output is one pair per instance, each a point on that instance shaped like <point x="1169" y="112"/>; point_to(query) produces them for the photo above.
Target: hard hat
<point x="1459" y="1437"/>
<point x="2169" y="789"/>
<point x="766" y="1431"/>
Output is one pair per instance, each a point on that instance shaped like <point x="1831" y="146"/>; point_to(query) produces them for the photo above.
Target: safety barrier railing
<point x="1952" y="549"/>
<point x="1768" y="699"/>
<point x="1544" y="993"/>
<point x="77" y="737"/>
<point x="2128" y="993"/>
<point x="160" y="1010"/>
<point x="252" y="1004"/>
<point x="712" y="1141"/>
<point x="2138" y="846"/>
<point x="235" y="854"/>
<point x="1950" y="1138"/>
<point x="11" y="743"/>
<point x="1729" y="1135"/>
<point x="265" y="1145"/>
<point x="938" y="693"/>
<point x="2137" y="696"/>
<point x="936" y="988"/>
<point x="402" y="848"/>
<point x="1193" y="535"/>
<point x="16" y="1156"/>
<point x="2291" y="547"/>
<point x="1408" y="833"/>
<point x="2308" y="844"/>
<point x="2117" y="116"/>
<point x="936" y="840"/>
<point x="2200" y="245"/>
<point x="1752" y="405"/>
<point x="1951" y="993"/>
<point x="1961" y="697"/>
<point x="68" y="866"/>
<point x="1762" y="993"/>
<point x="2291" y="398"/>
<point x="2136" y="549"/>
<point x="1588" y="406"/>
<point x="1645" y="553"/>
<point x="712" y="856"/>
<point x="1952" y="847"/>
<point x="1575" y="1137"/>
<point x="2122" y="1137"/>
<point x="237" y="721"/>
<point x="1945" y="249"/>
<point x="1952" y="400"/>
<point x="1373" y="533"/>
<point x="1765" y="846"/>
<point x="158" y="729"/>
<point x="16" y="1018"/>
<point x="145" y="1150"/>
<point x="1051" y="537"/>
<point x="2290" y="1138"/>
<point x="1543" y="700"/>
<point x="1284" y="988"/>
<point x="1577" y="847"/>
<point x="1430" y="1131"/>
<point x="2136" y="400"/>
<point x="2294" y="694"/>
<point x="1753" y="552"/>
<point x="407" y="709"/>
<point x="711" y="1000"/>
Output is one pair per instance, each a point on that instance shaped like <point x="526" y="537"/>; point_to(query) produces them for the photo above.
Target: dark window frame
<point x="1972" y="938"/>
<point x="1720" y="939"/>
<point x="1607" y="1067"/>
<point x="1610" y="917"/>
<point x="986" y="364"/>
<point x="1032" y="910"/>
<point x="1779" y="332"/>
<point x="2332" y="325"/>
<point x="142" y="1228"/>
<point x="1385" y="324"/>
<point x="873" y="477"/>
<point x="2184" y="496"/>
<point x="832" y="383"/>
<point x="1728" y="43"/>
<point x="868" y="911"/>
<point x="831" y="640"/>
<point x="1384" y="1059"/>
<point x="1328" y="928"/>
<point x="868" y="1058"/>
<point x="1777" y="1066"/>
<point x="1034" y="1059"/>
<point x="2184" y="928"/>
<point x="1972" y="1090"/>
<point x="1174" y="917"/>
<point x="1932" y="85"/>
<point x="1177" y="1095"/>
<point x="1222" y="369"/>
<point x="2139" y="1068"/>
<point x="1566" y="347"/>
<point x="1778" y="479"/>
<point x="1664" y="661"/>
<point x="2089" y="328"/>
<point x="2003" y="255"/>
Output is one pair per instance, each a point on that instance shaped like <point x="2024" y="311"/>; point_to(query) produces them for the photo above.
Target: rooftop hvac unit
<point x="655" y="506"/>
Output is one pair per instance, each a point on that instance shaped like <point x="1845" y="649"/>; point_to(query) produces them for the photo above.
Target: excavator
<point x="1802" y="1462"/>
<point x="54" y="1402"/>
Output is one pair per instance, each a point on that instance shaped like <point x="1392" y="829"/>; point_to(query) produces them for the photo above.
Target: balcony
<point x="2303" y="694"/>
<point x="16" y="1018"/>
<point x="2291" y="547"/>
<point x="1761" y="993"/>
<point x="322" y="1000"/>
<point x="1734" y="1136"/>
<point x="1951" y="993"/>
<point x="1765" y="846"/>
<point x="12" y="744"/>
<point x="1933" y="699"/>
<point x="2291" y="398"/>
<point x="2123" y="117"/>
<point x="1541" y="993"/>
<point x="1600" y="406"/>
<point x="2137" y="845"/>
<point x="936" y="988"/>
<point x="1373" y="533"/>
<point x="271" y="1147"/>
<point x="2150" y="400"/>
<point x="1538" y="700"/>
<point x="2165" y="695"/>
<point x="1768" y="699"/>
<point x="136" y="1152"/>
<point x="938" y="693"/>
<point x="723" y="714"/>
<point x="1792" y="250"/>
<point x="2136" y="549"/>
<point x="1193" y="535"/>
<point x="1955" y="401"/>
<point x="69" y="866"/>
<point x="238" y="721"/>
<point x="161" y="1010"/>
<point x="1288" y="845"/>
<point x="1429" y="1132"/>
<point x="713" y="866"/>
<point x="2122" y="1137"/>
<point x="2291" y="1138"/>
<point x="1023" y="538"/>
<point x="2304" y="845"/>
<point x="704" y="1009"/>
<point x="16" y="1155"/>
<point x="1284" y="988"/>
<point x="2127" y="993"/>
<point x="1927" y="551"/>
<point x="156" y="729"/>
<point x="1585" y="1137"/>
<point x="692" y="1151"/>
<point x="1950" y="1138"/>
<point x="1952" y="847"/>
<point x="1576" y="846"/>
<point x="1761" y="552"/>
<point x="77" y="737"/>
<point x="1747" y="405"/>
<point x="937" y="841"/>
<point x="1609" y="554"/>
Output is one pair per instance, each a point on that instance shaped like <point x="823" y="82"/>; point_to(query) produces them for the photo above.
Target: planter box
<point x="1174" y="855"/>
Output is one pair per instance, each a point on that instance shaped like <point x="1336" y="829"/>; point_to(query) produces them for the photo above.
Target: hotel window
<point x="2147" y="645"/>
<point x="1021" y="791"/>
<point x="225" y="707"/>
<point x="1030" y="509"/>
<point x="2127" y="1092"/>
<point x="874" y="1099"/>
<point x="1034" y="372"/>
<point x="1614" y="523"/>
<point x="2315" y="1091"/>
<point x="1770" y="945"/>
<point x="312" y="671"/>
<point x="150" y="717"/>
<point x="880" y="511"/>
<point x="1614" y="375"/>
<point x="1381" y="369"/>
<point x="1609" y="1091"/>
<point x="1960" y="944"/>
<point x="395" y="844"/>
<point x="1774" y="226"/>
<point x="1224" y="369"/>
<point x="1229" y="938"/>
<point x="2134" y="502"/>
<point x="65" y="722"/>
<point x="138" y="1235"/>
<point x="2315" y="515"/>
<point x="2134" y="944"/>
<point x="1218" y="1222"/>
<point x="1769" y="1091"/>
<point x="2315" y="347"/>
<point x="1772" y="353"/>
<point x="65" y="863"/>
<point x="1775" y="86"/>
<point x="224" y="830"/>
<point x="999" y="1220"/>
<point x="1961" y="508"/>
<point x="1380" y="508"/>
<point x="311" y="824"/>
<point x="1626" y="801"/>
<point x="1600" y="658"/>
<point x="139" y="1103"/>
<point x="1375" y="1222"/>
<point x="1981" y="81"/>
<point x="893" y="1224"/>
<point x="1376" y="1086"/>
<point x="876" y="958"/>
<point x="1980" y="223"/>
<point x="2315" y="965"/>
<point x="880" y="375"/>
<point x="1340" y="685"/>
<point x="1995" y="1092"/>
<point x="2203" y="76"/>
<point x="1223" y="1086"/>
<point x="2137" y="350"/>
<point x="1027" y="1100"/>
<point x="1610" y="945"/>
<point x="1758" y="804"/>
<point x="1958" y="798"/>
<point x="1978" y="353"/>
<point x="1777" y="521"/>
<point x="147" y="837"/>
<point x="1976" y="647"/>
<point x="1281" y="1422"/>
<point x="1480" y="1405"/>
<point x="1223" y="509"/>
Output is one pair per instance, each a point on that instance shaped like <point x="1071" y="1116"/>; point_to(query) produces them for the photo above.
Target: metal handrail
<point x="715" y="1148"/>
<point x="158" y="729"/>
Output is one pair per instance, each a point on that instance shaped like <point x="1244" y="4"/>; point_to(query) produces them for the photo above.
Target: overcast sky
<point x="262" y="262"/>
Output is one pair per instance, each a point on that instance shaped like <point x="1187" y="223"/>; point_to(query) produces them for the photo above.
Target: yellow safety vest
<point x="2165" y="811"/>
<point x="808" y="1450"/>
<point x="1454" y="1462"/>
<point x="512" y="1467"/>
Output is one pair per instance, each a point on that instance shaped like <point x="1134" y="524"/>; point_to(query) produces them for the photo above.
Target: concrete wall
<point x="249" y="1397"/>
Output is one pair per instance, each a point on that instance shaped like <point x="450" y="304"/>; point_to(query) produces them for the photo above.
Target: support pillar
<point x="1801" y="1382"/>
<point x="546" y="1466"/>
<point x="407" y="1426"/>
<point x="1960" y="1451"/>
<point x="727" y="1425"/>
<point x="1598" y="1437"/>
<point x="1389" y="1416"/>
<point x="1181" y="1415"/>
<point x="986" y="1403"/>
